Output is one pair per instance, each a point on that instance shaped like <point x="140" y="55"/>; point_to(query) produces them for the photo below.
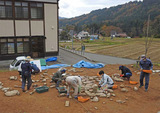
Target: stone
<point x="62" y="95"/>
<point x="103" y="102"/>
<point x="1" y="87"/>
<point x="113" y="95"/>
<point x="110" y="90"/>
<point x="95" y="99"/>
<point x="70" y="96"/>
<point x="44" y="80"/>
<point x="89" y="94"/>
<point x="122" y="86"/>
<point x="13" y="78"/>
<point x="34" y="85"/>
<point x="111" y="99"/>
<point x="99" y="91"/>
<point x="95" y="108"/>
<point x="124" y="90"/>
<point x="103" y="95"/>
<point x="135" y="88"/>
<point x="126" y="98"/>
<point x="120" y="101"/>
<point x="16" y="86"/>
<point x="95" y="87"/>
<point x="45" y="84"/>
<point x="33" y="81"/>
<point x="12" y="93"/>
<point x="20" y="80"/>
<point x="45" y="74"/>
<point x="67" y="103"/>
<point x="108" y="95"/>
<point x="0" y="83"/>
<point x="31" y="93"/>
<point x="5" y="89"/>
<point x="117" y="79"/>
<point x="91" y="90"/>
<point x="52" y="86"/>
<point x="138" y="73"/>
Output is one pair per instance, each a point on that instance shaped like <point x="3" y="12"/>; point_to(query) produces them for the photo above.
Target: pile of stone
<point x="117" y="78"/>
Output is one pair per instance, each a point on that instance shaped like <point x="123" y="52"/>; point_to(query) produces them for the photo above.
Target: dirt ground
<point x="49" y="102"/>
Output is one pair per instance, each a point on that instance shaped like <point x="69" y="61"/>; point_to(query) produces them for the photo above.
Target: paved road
<point x="96" y="58"/>
<point x="68" y="57"/>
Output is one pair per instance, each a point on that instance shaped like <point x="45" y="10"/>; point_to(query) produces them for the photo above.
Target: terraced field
<point x="120" y="47"/>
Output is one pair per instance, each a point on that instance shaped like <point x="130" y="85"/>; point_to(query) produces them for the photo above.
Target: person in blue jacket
<point x="26" y="74"/>
<point x="35" y="69"/>
<point x="145" y="64"/>
<point x="126" y="72"/>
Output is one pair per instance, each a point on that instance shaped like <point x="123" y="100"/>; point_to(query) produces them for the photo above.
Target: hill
<point x="130" y="17"/>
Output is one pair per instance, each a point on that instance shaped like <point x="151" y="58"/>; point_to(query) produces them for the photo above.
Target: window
<point x="21" y="10"/>
<point x="3" y="48"/>
<point x="22" y="45"/>
<point x="36" y="10"/>
<point x="6" y="9"/>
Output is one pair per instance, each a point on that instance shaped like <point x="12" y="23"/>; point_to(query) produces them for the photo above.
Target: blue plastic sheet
<point x="54" y="66"/>
<point x="51" y="59"/>
<point x="85" y="64"/>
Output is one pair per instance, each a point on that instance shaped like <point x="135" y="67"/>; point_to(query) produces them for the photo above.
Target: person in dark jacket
<point x="35" y="69"/>
<point x="57" y="77"/>
<point x="26" y="74"/>
<point x="126" y="73"/>
<point x="145" y="64"/>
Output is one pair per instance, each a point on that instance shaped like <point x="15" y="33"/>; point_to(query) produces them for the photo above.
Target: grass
<point x="119" y="47"/>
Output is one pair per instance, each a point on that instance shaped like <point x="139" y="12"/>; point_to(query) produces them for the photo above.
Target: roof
<point x="21" y="58"/>
<point x="51" y="1"/>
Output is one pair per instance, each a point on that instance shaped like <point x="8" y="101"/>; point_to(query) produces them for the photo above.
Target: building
<point x="83" y="35"/>
<point x="28" y="27"/>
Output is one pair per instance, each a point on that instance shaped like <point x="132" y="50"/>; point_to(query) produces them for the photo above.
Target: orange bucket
<point x="147" y="71"/>
<point x="115" y="87"/>
<point x="81" y="99"/>
<point x="133" y="82"/>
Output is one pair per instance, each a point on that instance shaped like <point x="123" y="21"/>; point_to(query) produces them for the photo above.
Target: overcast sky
<point x="72" y="8"/>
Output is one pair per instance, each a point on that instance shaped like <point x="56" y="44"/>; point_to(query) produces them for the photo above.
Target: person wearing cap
<point x="35" y="69"/>
<point x="57" y="77"/>
<point x="105" y="80"/>
<point x="74" y="82"/>
<point x="126" y="73"/>
<point x="145" y="64"/>
<point x="26" y="74"/>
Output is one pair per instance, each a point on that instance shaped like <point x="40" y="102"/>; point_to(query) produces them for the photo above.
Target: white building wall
<point x="37" y="28"/>
<point x="22" y="27"/>
<point x="6" y="28"/>
<point x="51" y="27"/>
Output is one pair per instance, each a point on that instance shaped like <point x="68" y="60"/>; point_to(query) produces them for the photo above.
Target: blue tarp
<point x="51" y="59"/>
<point x="54" y="66"/>
<point x="85" y="64"/>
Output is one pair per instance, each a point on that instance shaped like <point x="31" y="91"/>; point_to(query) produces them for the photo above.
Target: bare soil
<point x="49" y="102"/>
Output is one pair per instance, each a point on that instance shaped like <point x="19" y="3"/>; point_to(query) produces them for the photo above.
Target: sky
<point x="73" y="8"/>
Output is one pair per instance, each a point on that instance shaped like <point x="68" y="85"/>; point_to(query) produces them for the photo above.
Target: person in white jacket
<point x="105" y="80"/>
<point x="75" y="82"/>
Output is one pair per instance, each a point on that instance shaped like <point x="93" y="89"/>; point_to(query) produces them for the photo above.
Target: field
<point x="49" y="102"/>
<point x="119" y="47"/>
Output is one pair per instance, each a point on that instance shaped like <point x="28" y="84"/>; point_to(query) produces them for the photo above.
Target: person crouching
<point x="75" y="82"/>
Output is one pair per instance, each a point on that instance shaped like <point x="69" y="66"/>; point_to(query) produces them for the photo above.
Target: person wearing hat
<point x="105" y="80"/>
<point x="57" y="77"/>
<point x="145" y="64"/>
<point x="35" y="69"/>
<point x="126" y="73"/>
<point x="26" y="74"/>
<point x="74" y="82"/>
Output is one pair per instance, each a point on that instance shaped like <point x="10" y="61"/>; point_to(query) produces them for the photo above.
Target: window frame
<point x="5" y="7"/>
<point x="42" y="18"/>
<point x="22" y="13"/>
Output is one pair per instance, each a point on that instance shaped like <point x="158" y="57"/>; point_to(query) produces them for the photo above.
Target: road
<point x="69" y="57"/>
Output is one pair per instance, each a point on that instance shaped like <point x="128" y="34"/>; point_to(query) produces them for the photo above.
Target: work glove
<point x="75" y="97"/>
